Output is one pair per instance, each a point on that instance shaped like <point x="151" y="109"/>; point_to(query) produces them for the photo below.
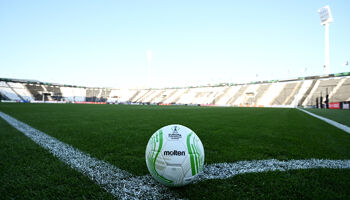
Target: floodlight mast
<point x="326" y="19"/>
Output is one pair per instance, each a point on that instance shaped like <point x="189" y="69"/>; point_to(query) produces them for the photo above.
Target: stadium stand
<point x="186" y="97"/>
<point x="158" y="97"/>
<point x="150" y="98"/>
<point x="146" y="97"/>
<point x="20" y="91"/>
<point x="73" y="94"/>
<point x="286" y="93"/>
<point x="3" y="97"/>
<point x="238" y="96"/>
<point x="321" y="88"/>
<point x="270" y="93"/>
<point x="292" y="95"/>
<point x="228" y="93"/>
<point x="92" y="94"/>
<point x="342" y="92"/>
<point x="303" y="92"/>
<point x="36" y="91"/>
<point x="178" y="95"/>
<point x="210" y="94"/>
<point x="261" y="91"/>
<point x="170" y="95"/>
<point x="105" y="94"/>
<point x="122" y="95"/>
<point x="8" y="92"/>
<point x="139" y="95"/>
<point x="307" y="95"/>
<point x="54" y="91"/>
<point x="249" y="96"/>
<point x="134" y="96"/>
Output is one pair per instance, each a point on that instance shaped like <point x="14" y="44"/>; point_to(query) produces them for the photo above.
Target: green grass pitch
<point x="341" y="116"/>
<point x="118" y="134"/>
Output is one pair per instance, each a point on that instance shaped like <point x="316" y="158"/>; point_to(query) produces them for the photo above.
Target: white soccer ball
<point x="174" y="155"/>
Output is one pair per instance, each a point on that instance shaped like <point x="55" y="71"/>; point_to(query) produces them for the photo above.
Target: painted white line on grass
<point x="226" y="170"/>
<point x="331" y="122"/>
<point x="124" y="185"/>
<point x="118" y="182"/>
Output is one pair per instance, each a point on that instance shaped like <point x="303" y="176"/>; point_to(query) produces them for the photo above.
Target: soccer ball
<point x="174" y="155"/>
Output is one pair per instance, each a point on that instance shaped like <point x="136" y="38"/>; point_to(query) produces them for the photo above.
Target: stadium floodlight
<point x="326" y="19"/>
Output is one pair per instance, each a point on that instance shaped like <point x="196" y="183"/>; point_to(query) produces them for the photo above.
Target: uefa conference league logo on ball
<point x="174" y="155"/>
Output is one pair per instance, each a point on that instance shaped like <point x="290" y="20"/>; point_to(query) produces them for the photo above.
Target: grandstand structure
<point x="277" y="93"/>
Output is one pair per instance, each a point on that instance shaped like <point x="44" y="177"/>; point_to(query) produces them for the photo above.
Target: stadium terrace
<point x="330" y="91"/>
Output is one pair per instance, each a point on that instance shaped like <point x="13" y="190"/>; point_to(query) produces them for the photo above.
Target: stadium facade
<point x="305" y="91"/>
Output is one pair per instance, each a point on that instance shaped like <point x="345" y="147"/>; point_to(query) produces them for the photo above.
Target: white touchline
<point x="226" y="170"/>
<point x="118" y="182"/>
<point x="334" y="123"/>
<point x="124" y="185"/>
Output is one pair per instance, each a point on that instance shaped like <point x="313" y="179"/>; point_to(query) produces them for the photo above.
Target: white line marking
<point x="226" y="170"/>
<point x="331" y="122"/>
<point x="118" y="182"/>
<point x="124" y="185"/>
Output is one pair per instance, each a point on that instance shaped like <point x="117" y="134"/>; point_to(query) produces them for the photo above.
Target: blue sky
<point x="105" y="43"/>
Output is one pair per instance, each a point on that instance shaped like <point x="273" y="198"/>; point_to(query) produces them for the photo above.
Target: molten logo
<point x="174" y="153"/>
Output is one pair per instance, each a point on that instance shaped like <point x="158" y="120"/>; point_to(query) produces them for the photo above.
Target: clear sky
<point x="109" y="43"/>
